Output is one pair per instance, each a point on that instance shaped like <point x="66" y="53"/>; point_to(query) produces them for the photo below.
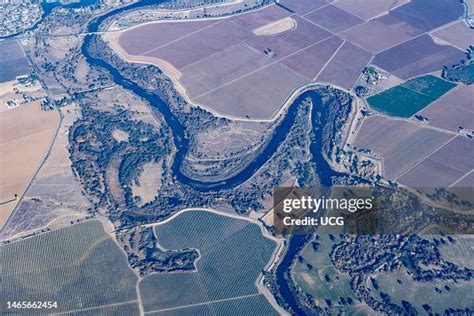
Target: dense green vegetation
<point x="95" y="153"/>
<point x="462" y="72"/>
<point x="411" y="96"/>
<point x="145" y="256"/>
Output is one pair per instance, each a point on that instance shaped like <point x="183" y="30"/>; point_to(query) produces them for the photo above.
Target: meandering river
<point x="324" y="170"/>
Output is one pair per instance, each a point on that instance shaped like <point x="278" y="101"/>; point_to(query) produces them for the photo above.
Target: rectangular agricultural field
<point x="448" y="116"/>
<point x="220" y="68"/>
<point x="400" y="157"/>
<point x="208" y="41"/>
<point x="417" y="57"/>
<point x="461" y="97"/>
<point x="80" y="267"/>
<point x="311" y="61"/>
<point x="346" y="66"/>
<point x="431" y="86"/>
<point x="453" y="110"/>
<point x="249" y="305"/>
<point x="305" y="34"/>
<point x="258" y="95"/>
<point x="256" y="19"/>
<point x="379" y="133"/>
<point x="428" y="15"/>
<point x="381" y="33"/>
<point x="458" y="35"/>
<point x="25" y="136"/>
<point x="141" y="39"/>
<point x="367" y="9"/>
<point x="303" y="6"/>
<point x="125" y="309"/>
<point x="400" y="143"/>
<point x="232" y="251"/>
<point x="431" y="173"/>
<point x="334" y="19"/>
<point x="12" y="61"/>
<point x="458" y="154"/>
<point x="411" y="96"/>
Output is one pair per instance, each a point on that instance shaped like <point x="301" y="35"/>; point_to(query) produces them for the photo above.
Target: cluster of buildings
<point x="16" y="16"/>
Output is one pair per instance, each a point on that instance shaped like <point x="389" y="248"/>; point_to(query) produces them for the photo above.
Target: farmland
<point x="402" y="62"/>
<point x="54" y="195"/>
<point x="444" y="167"/>
<point x="256" y="58"/>
<point x="333" y="18"/>
<point x="417" y="155"/>
<point x="401" y="144"/>
<point x="367" y="9"/>
<point x="13" y="62"/>
<point x="81" y="267"/>
<point x="453" y="110"/>
<point x="232" y="254"/>
<point x="411" y="96"/>
<point x="26" y="133"/>
<point x="456" y="34"/>
<point x="168" y="115"/>
<point x="247" y="305"/>
<point x="401" y="24"/>
<point x="244" y="60"/>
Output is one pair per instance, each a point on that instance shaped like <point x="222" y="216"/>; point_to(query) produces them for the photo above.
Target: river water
<point x="324" y="170"/>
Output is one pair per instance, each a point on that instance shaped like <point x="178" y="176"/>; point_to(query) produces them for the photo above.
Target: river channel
<point x="324" y="170"/>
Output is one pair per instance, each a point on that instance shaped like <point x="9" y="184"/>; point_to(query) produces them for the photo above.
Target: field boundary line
<point x="428" y="32"/>
<point x="445" y="164"/>
<point x="362" y="72"/>
<point x="180" y="38"/>
<point x="49" y="150"/>
<point x="219" y="52"/>
<point x="330" y="58"/>
<point x="461" y="108"/>
<point x="461" y="178"/>
<point x="314" y="10"/>
<point x="426" y="157"/>
<point x="261" y="68"/>
<point x="92" y="308"/>
<point x="338" y="34"/>
<point x="205" y="303"/>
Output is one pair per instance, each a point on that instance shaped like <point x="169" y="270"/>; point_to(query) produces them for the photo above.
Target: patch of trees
<point x="462" y="72"/>
<point x="93" y="150"/>
<point x="145" y="256"/>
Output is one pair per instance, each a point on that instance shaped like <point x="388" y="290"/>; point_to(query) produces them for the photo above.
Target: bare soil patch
<point x="277" y="27"/>
<point x="150" y="182"/>
<point x="25" y="135"/>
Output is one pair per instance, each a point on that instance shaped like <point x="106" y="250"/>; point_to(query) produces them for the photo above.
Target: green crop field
<point x="411" y="96"/>
<point x="232" y="254"/>
<point x="80" y="267"/>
